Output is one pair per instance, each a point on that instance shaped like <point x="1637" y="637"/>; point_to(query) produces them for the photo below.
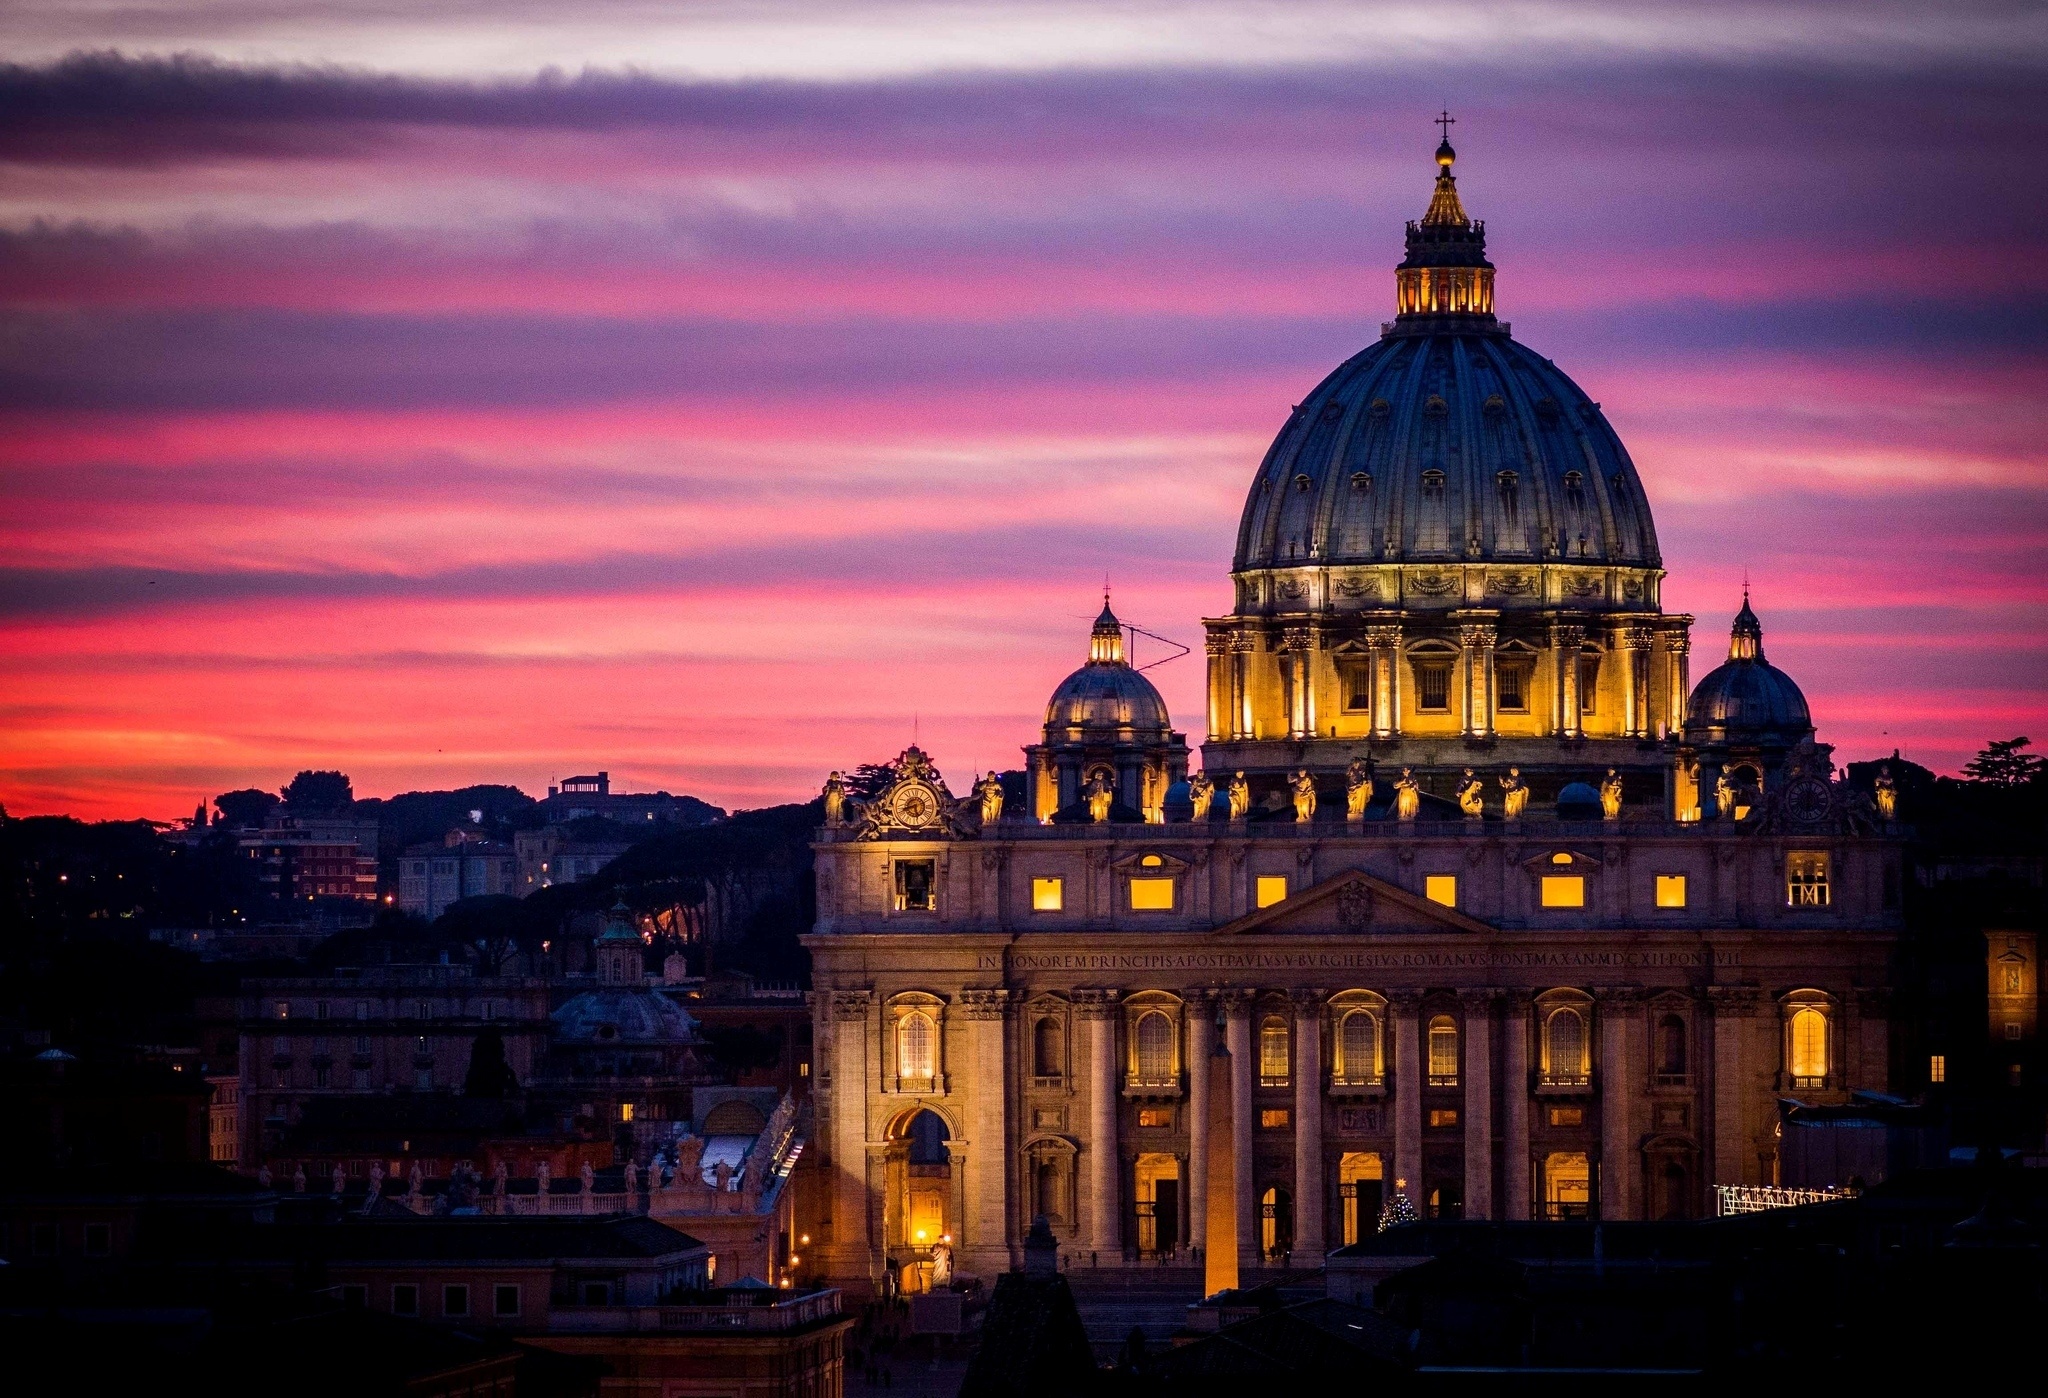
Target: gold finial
<point x="1444" y="154"/>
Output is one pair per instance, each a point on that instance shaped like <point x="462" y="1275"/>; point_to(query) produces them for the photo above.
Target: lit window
<point x="1565" y="1061"/>
<point x="1443" y="1052"/>
<point x="625" y="1111"/>
<point x="1670" y="890"/>
<point x="1152" y="895"/>
<point x="1512" y="697"/>
<point x="917" y="885"/>
<point x="1272" y="889"/>
<point x="916" y="1044"/>
<point x="1358" y="1048"/>
<point x="1443" y="1116"/>
<point x="1433" y="688"/>
<point x="1441" y="888"/>
<point x="1273" y="1051"/>
<point x="1806" y="879"/>
<point x="1809" y="1047"/>
<point x="1155" y="1047"/>
<point x="1048" y="895"/>
<point x="1155" y="1118"/>
<point x="1273" y="1118"/>
<point x="1564" y="891"/>
<point x="1937" y="1068"/>
<point x="284" y="1009"/>
<point x="1567" y="1116"/>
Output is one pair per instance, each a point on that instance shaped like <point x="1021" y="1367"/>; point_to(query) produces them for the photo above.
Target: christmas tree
<point x="1397" y="1209"/>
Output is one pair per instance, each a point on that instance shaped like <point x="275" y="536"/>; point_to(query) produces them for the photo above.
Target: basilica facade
<point x="1493" y="909"/>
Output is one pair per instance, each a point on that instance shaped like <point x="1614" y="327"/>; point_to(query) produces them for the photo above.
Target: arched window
<point x="1047" y="1061"/>
<point x="1302" y="483"/>
<point x="1276" y="1222"/>
<point x="916" y="1047"/>
<point x="1358" y="1048"/>
<point x="1273" y="1051"/>
<point x="1443" y="1052"/>
<point x="1433" y="487"/>
<point x="1564" y="1047"/>
<point x="1809" y="1035"/>
<point x="1155" y="1047"/>
<point x="1361" y="481"/>
<point x="1574" y="490"/>
<point x="1671" y="1047"/>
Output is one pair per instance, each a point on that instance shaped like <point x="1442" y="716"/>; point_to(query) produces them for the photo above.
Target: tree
<point x="244" y="809"/>
<point x="320" y="791"/>
<point x="489" y="1074"/>
<point x="2004" y="764"/>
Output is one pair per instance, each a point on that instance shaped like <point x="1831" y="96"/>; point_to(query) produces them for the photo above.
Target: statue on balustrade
<point x="1407" y="796"/>
<point x="835" y="799"/>
<point x="1515" y="793"/>
<point x="1724" y="795"/>
<point x="1240" y="797"/>
<point x="1304" y="788"/>
<point x="1099" y="798"/>
<point x="1357" y="788"/>
<point x="1610" y="795"/>
<point x="990" y="790"/>
<point x="1887" y="793"/>
<point x="1471" y="796"/>
<point x="1202" y="791"/>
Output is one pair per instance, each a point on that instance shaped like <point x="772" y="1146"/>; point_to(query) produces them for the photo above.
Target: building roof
<point x="443" y="1239"/>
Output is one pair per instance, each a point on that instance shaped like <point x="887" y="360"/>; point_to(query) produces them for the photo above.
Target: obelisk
<point x="1219" y="1232"/>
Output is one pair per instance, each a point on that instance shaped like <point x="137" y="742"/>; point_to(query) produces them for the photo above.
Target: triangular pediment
<point x="1353" y="902"/>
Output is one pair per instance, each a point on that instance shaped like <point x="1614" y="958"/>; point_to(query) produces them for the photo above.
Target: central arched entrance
<point x="1158" y="1203"/>
<point x="920" y="1196"/>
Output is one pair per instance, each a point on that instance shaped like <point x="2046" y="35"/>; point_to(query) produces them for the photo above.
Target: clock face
<point x="913" y="806"/>
<point x="1808" y="800"/>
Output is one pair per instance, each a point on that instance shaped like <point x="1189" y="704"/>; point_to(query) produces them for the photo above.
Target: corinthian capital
<point x="983" y="1004"/>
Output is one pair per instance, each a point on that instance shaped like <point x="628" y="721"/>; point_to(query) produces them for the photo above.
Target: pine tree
<point x="2003" y="764"/>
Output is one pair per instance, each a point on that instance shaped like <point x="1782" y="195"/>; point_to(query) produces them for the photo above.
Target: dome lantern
<point x="1446" y="272"/>
<point x="1106" y="641"/>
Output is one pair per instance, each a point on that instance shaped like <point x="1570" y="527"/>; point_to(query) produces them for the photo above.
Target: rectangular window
<point x="1567" y="1116"/>
<point x="1441" y="888"/>
<point x="99" y="1240"/>
<point x="504" y="1300"/>
<point x="1806" y="879"/>
<point x="1564" y="891"/>
<point x="362" y="1043"/>
<point x="1272" y="888"/>
<point x="359" y="1079"/>
<point x="42" y="1239"/>
<point x="1670" y="890"/>
<point x="917" y="885"/>
<point x="455" y="1301"/>
<point x="1589" y="684"/>
<point x="284" y="1009"/>
<point x="1156" y="1118"/>
<point x="1152" y="895"/>
<point x="1433" y="688"/>
<point x="405" y="1299"/>
<point x="625" y="1111"/>
<point x="362" y="1009"/>
<point x="1048" y="895"/>
<point x="319" y="1075"/>
<point x="2012" y="1030"/>
<point x="355" y="1295"/>
<point x="1937" y="1068"/>
<point x="1358" y="689"/>
<point x="1512" y="697"/>
<point x="1273" y="1118"/>
<point x="596" y="1293"/>
<point x="1443" y="1116"/>
<point x="320" y="1010"/>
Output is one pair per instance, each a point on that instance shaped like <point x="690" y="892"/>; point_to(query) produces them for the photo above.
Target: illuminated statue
<point x="632" y="1178"/>
<point x="942" y="1262"/>
<point x="1202" y="792"/>
<point x="1471" y="796"/>
<point x="1357" y="788"/>
<point x="1516" y="799"/>
<point x="1407" y="796"/>
<point x="1099" y="798"/>
<point x="990" y="790"/>
<point x="1724" y="795"/>
<point x="1240" y="797"/>
<point x="1610" y="796"/>
<point x="835" y="799"/>
<point x="1304" y="787"/>
<point x="1887" y="793"/>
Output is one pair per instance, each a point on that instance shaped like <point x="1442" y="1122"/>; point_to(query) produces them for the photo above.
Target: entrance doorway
<point x="1276" y="1222"/>
<point x="1361" y="1184"/>
<point x="1158" y="1203"/>
<point x="1567" y="1185"/>
<point x="919" y="1202"/>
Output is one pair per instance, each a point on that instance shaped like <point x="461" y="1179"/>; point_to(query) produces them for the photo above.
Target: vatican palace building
<point x="1498" y="911"/>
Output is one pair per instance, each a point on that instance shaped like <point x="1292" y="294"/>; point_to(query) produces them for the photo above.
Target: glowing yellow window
<point x="1272" y="889"/>
<point x="1564" y="891"/>
<point x="625" y="1111"/>
<point x="1152" y="895"/>
<point x="1670" y="890"/>
<point x="1441" y="888"/>
<point x="1273" y="1118"/>
<point x="1048" y="895"/>
<point x="1937" y="1068"/>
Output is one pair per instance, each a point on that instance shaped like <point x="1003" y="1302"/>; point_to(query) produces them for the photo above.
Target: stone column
<point x="853" y="1051"/>
<point x="1217" y="647"/>
<point x="1309" y="1166"/>
<point x="1383" y="643"/>
<point x="1619" y="1089"/>
<point x="1515" y="1203"/>
<point x="1634" y="642"/>
<point x="1407" y="1007"/>
<point x="1099" y="1009"/>
<point x="1240" y="685"/>
<point x="1677" y="645"/>
<point x="1736" y="1008"/>
<point x="983" y="1241"/>
<point x="1565" y="644"/>
<point x="1478" y="1109"/>
<point x="1201" y="1043"/>
<point x="1475" y="642"/>
<point x="1238" y="1038"/>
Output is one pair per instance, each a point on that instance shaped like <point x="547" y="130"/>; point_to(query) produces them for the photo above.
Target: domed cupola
<point x="1106" y="720"/>
<point x="1746" y="697"/>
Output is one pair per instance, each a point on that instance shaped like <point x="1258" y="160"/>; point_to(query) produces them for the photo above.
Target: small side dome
<point x="1106" y="696"/>
<point x="1578" y="801"/>
<point x="1746" y="697"/>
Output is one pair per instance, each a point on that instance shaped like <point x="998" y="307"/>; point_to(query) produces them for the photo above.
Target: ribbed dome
<point x="1746" y="696"/>
<point x="1106" y="697"/>
<point x="1453" y="444"/>
<point x="627" y="1016"/>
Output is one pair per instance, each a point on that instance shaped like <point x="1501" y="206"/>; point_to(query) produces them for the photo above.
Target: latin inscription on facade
<point x="1477" y="960"/>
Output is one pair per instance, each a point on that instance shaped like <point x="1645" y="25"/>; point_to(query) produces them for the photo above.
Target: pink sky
<point x="715" y="428"/>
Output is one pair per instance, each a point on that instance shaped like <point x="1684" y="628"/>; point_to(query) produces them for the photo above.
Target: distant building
<point x="550" y="855"/>
<point x="578" y="797"/>
<point x="463" y="865"/>
<point x="224" y="1119"/>
<point x="305" y="857"/>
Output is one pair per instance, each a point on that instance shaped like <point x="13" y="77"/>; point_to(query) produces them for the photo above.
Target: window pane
<point x="1152" y="895"/>
<point x="1441" y="888"/>
<point x="1564" y="891"/>
<point x="1509" y="679"/>
<point x="1564" y="1046"/>
<point x="914" y="1043"/>
<point x="1273" y="1048"/>
<point x="1443" y="1051"/>
<point x="1809" y="1043"/>
<point x="1155" y="1047"/>
<point x="1272" y="889"/>
<point x="1433" y="687"/>
<point x="1358" y="1056"/>
<point x="1670" y="890"/>
<point x="1048" y="895"/>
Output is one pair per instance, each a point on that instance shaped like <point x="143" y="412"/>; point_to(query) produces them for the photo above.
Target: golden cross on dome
<point x="1446" y="122"/>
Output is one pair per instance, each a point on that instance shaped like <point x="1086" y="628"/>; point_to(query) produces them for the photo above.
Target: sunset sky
<point x="713" y="392"/>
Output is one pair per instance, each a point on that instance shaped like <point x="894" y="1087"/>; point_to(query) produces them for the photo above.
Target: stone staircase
<point x="1114" y="1299"/>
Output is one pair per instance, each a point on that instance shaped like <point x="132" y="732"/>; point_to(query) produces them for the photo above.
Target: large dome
<point x="630" y="1017"/>
<point x="1446" y="442"/>
<point x="1106" y="698"/>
